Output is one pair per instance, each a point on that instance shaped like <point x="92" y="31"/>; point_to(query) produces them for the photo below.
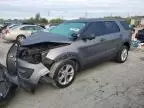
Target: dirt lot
<point x="106" y="85"/>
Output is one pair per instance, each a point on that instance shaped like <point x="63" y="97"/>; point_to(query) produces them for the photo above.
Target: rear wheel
<point x="64" y="73"/>
<point x="122" y="54"/>
<point x="20" y="38"/>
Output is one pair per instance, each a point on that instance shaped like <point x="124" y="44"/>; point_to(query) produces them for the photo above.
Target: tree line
<point x="34" y="20"/>
<point x="43" y="21"/>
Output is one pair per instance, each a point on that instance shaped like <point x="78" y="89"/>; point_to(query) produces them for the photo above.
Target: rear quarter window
<point x="125" y="25"/>
<point x="111" y="27"/>
<point x="28" y="28"/>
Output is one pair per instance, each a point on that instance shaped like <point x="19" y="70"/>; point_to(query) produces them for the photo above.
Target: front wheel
<point x="122" y="54"/>
<point x="64" y="73"/>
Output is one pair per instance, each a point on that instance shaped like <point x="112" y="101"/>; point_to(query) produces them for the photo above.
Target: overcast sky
<point x="70" y="8"/>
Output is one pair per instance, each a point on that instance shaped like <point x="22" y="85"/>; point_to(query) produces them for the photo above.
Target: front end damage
<point x="26" y="65"/>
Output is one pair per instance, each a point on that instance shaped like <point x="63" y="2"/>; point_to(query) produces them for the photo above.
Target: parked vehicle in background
<point x="8" y="24"/>
<point x="140" y="35"/>
<point x="43" y="26"/>
<point x="8" y="28"/>
<point x="11" y="26"/>
<point x="1" y="27"/>
<point x="61" y="52"/>
<point x="20" y="32"/>
<point x="49" y="27"/>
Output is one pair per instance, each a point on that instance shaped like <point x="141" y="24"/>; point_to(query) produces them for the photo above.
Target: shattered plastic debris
<point x="7" y="89"/>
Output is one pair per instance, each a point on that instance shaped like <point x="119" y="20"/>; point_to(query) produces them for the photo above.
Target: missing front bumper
<point x="34" y="71"/>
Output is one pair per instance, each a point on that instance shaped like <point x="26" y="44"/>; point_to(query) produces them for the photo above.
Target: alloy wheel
<point x="66" y="74"/>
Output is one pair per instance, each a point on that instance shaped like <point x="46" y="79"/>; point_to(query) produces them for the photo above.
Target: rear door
<point x="126" y="31"/>
<point x="112" y="38"/>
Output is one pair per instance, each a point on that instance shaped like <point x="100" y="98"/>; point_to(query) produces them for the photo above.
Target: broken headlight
<point x="46" y="61"/>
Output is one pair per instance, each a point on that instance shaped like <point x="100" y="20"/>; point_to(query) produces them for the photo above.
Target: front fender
<point x="68" y="56"/>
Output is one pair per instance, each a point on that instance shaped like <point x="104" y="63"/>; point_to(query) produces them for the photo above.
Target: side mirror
<point x="88" y="37"/>
<point x="74" y="36"/>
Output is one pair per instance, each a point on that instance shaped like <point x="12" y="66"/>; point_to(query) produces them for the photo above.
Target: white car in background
<point x="9" y="27"/>
<point x="20" y="32"/>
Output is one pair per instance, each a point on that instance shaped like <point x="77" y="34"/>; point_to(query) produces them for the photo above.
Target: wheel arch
<point x="70" y="56"/>
<point x="21" y="35"/>
<point x="127" y="44"/>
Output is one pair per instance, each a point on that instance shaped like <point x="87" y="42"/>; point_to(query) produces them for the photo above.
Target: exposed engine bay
<point x="33" y="53"/>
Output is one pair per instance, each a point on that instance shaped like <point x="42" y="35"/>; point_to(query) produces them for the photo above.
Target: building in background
<point x="142" y="21"/>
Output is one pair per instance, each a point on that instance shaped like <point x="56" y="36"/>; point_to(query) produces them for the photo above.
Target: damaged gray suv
<point x="61" y="52"/>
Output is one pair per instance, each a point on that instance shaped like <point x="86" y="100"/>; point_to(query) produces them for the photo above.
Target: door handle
<point x="102" y="39"/>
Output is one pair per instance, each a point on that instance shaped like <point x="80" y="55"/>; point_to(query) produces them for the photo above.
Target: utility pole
<point x="111" y="15"/>
<point x="86" y="14"/>
<point x="129" y="15"/>
<point x="48" y="13"/>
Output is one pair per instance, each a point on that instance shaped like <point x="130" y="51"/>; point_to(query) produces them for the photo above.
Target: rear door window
<point x="96" y="28"/>
<point x="125" y="25"/>
<point x="28" y="28"/>
<point x="15" y="27"/>
<point x="37" y="28"/>
<point x="111" y="27"/>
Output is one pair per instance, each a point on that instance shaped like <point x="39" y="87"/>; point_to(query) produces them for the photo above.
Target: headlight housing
<point x="46" y="61"/>
<point x="31" y="56"/>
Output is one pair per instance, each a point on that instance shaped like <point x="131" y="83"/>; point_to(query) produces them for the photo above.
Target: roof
<point x="94" y="19"/>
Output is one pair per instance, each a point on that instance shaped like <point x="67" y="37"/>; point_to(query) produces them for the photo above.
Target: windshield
<point x="67" y="29"/>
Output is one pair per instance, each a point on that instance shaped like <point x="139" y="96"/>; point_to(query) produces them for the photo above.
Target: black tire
<point x="55" y="69"/>
<point x="119" y="58"/>
<point x="20" y="38"/>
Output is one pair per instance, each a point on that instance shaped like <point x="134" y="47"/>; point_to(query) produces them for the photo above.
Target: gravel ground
<point x="104" y="85"/>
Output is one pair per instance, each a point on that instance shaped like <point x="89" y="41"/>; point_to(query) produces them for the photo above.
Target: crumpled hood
<point x="43" y="37"/>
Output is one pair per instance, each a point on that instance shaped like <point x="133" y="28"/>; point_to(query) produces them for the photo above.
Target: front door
<point x="94" y="49"/>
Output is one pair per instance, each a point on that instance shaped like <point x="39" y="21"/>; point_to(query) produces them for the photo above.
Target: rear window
<point x="125" y="25"/>
<point x="102" y="28"/>
<point x="38" y="28"/>
<point x="28" y="28"/>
